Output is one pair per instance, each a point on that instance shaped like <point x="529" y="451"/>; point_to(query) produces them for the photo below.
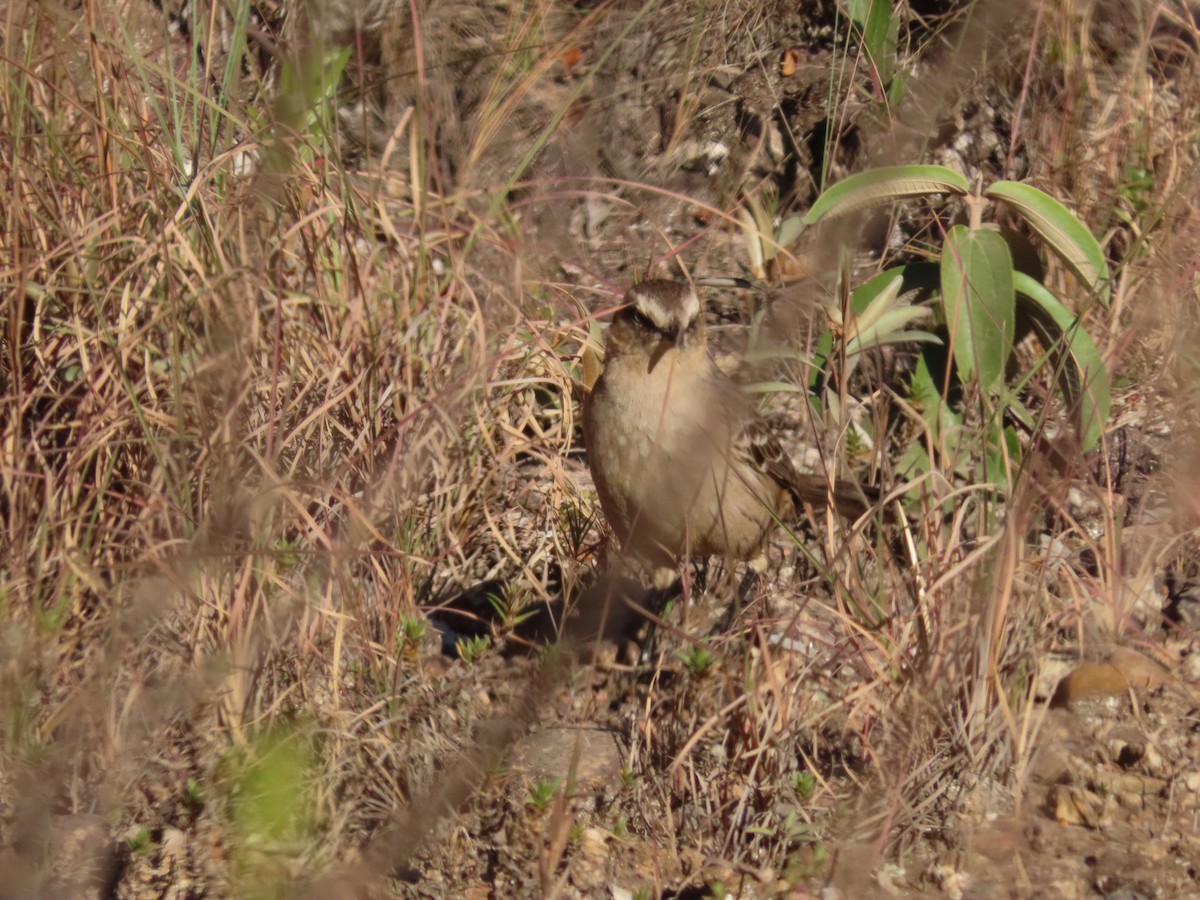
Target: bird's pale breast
<point x="662" y="461"/>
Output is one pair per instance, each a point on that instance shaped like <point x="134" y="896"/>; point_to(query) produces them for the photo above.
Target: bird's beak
<point x="660" y="349"/>
<point x="671" y="340"/>
<point x="656" y="355"/>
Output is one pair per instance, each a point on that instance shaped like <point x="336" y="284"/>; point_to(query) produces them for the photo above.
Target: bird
<point x="683" y="464"/>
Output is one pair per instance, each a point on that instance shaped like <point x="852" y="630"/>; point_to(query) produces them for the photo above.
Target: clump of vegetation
<point x="293" y="491"/>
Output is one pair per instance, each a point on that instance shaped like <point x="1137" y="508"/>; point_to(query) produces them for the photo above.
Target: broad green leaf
<point x="1062" y="230"/>
<point x="913" y="460"/>
<point x="885" y="186"/>
<point x="883" y="35"/>
<point x="858" y="10"/>
<point x="980" y="307"/>
<point x="308" y="89"/>
<point x="1083" y="376"/>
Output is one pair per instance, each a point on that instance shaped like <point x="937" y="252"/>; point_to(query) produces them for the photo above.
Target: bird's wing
<point x="756" y="442"/>
<point x="761" y="444"/>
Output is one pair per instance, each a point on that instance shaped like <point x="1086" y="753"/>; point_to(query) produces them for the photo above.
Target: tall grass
<point x="272" y="398"/>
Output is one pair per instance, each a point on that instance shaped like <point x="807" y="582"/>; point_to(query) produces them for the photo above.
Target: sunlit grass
<point x="274" y="399"/>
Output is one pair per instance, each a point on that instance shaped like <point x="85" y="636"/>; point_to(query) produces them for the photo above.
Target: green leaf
<point x="779" y="351"/>
<point x="308" y="89"/>
<point x="858" y="10"/>
<point x="884" y="321"/>
<point x="885" y="185"/>
<point x="789" y="230"/>
<point x="915" y="336"/>
<point x="1083" y="377"/>
<point x="772" y="387"/>
<point x="1018" y="410"/>
<point x="1062" y="231"/>
<point x="926" y="397"/>
<point x="881" y="36"/>
<point x="882" y="302"/>
<point x="913" y="460"/>
<point x="977" y="291"/>
<point x="1001" y="454"/>
<point x="880" y="29"/>
<point x="922" y="277"/>
<point x="916" y="277"/>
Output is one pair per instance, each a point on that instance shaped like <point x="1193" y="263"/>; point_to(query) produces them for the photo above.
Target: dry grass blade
<point x="293" y="495"/>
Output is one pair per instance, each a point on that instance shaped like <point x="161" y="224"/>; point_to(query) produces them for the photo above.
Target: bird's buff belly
<point x="679" y="498"/>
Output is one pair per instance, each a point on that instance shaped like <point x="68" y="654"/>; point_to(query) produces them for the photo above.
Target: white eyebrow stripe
<point x="691" y="305"/>
<point x="668" y="305"/>
<point x="648" y="304"/>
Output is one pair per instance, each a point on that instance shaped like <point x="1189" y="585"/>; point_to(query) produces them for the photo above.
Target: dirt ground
<point x="305" y="568"/>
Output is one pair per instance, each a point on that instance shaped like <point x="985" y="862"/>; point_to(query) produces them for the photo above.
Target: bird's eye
<point x="643" y="320"/>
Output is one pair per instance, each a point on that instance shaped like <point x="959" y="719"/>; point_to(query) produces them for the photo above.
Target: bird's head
<point x="656" y="317"/>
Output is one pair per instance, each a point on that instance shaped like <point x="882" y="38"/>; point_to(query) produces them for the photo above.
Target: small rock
<point x="1123" y="670"/>
<point x="1152" y="760"/>
<point x="1078" y="806"/>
